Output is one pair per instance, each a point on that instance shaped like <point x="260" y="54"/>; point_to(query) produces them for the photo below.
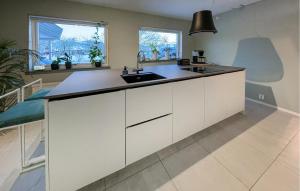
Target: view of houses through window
<point x="84" y="43"/>
<point x="56" y="40"/>
<point x="159" y="44"/>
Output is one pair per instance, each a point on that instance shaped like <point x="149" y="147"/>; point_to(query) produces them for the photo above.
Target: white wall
<point x="122" y="35"/>
<point x="262" y="37"/>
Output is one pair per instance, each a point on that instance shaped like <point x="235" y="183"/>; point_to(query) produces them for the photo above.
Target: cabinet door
<point x="86" y="139"/>
<point x="188" y="108"/>
<point x="147" y="103"/>
<point x="224" y="96"/>
<point x="236" y="93"/>
<point x="147" y="138"/>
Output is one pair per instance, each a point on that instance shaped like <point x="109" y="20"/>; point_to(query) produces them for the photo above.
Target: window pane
<point x="56" y="39"/>
<point x="158" y="45"/>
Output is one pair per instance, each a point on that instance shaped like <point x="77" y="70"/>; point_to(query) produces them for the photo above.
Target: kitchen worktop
<point x="85" y="83"/>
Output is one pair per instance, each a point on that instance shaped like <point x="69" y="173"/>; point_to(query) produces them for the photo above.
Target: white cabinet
<point x="147" y="138"/>
<point x="224" y="96"/>
<point x="188" y="108"/>
<point x="147" y="103"/>
<point x="86" y="135"/>
<point x="86" y="139"/>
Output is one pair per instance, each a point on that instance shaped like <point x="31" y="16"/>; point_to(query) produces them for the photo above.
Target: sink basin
<point x="142" y="77"/>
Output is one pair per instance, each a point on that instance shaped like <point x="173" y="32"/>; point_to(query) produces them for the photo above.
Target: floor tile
<point x="205" y="132"/>
<point x="131" y="170"/>
<point x="39" y="151"/>
<point x="153" y="178"/>
<point x="217" y="136"/>
<point x="96" y="186"/>
<point x="175" y="147"/>
<point x="10" y="153"/>
<point x="41" y="185"/>
<point x="257" y="112"/>
<point x="184" y="159"/>
<point x="192" y="169"/>
<point x="243" y="161"/>
<point x="278" y="178"/>
<point x="29" y="180"/>
<point x="283" y="124"/>
<point x="291" y="155"/>
<point x="264" y="141"/>
<point x="225" y="131"/>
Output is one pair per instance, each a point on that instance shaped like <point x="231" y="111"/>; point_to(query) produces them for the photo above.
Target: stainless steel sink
<point x="141" y="77"/>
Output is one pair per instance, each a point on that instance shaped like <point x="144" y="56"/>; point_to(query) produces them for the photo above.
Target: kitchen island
<point x="98" y="124"/>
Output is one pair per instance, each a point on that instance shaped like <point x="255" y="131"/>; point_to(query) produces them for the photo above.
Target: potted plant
<point x="68" y="60"/>
<point x="167" y="51"/>
<point x="154" y="51"/>
<point x="55" y="64"/>
<point x="13" y="62"/>
<point x="95" y="53"/>
<point x="167" y="48"/>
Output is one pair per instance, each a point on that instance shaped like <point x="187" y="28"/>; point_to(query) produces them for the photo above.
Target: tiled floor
<point x="257" y="151"/>
<point x="10" y="154"/>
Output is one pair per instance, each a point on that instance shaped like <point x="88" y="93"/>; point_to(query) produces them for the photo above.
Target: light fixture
<point x="203" y="22"/>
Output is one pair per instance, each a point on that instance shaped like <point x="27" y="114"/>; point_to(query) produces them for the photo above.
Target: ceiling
<point x="182" y="9"/>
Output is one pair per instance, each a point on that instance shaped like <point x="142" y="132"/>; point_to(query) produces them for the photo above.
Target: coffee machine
<point x="198" y="57"/>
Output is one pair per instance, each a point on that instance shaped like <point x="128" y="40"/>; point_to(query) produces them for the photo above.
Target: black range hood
<point x="203" y="22"/>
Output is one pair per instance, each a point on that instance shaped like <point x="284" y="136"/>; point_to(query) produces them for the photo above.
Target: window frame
<point x="34" y="38"/>
<point x="178" y="41"/>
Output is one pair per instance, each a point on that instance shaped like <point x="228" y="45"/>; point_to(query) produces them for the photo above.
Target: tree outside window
<point x="159" y="45"/>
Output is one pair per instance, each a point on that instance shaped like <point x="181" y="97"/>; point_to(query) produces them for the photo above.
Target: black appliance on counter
<point x="183" y="62"/>
<point x="203" y="70"/>
<point x="198" y="57"/>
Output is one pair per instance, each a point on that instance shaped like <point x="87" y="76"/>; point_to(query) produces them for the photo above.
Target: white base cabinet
<point x="86" y="140"/>
<point x="188" y="108"/>
<point x="224" y="96"/>
<point x="147" y="138"/>
<point x="91" y="137"/>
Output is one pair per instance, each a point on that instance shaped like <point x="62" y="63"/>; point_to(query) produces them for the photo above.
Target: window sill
<point x="63" y="70"/>
<point x="158" y="61"/>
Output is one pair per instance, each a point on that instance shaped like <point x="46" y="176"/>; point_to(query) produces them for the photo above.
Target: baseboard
<point x="275" y="107"/>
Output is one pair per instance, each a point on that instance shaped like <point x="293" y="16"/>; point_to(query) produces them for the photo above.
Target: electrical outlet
<point x="261" y="96"/>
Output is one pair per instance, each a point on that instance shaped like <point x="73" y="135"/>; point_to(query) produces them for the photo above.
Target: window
<point x="54" y="38"/>
<point x="159" y="44"/>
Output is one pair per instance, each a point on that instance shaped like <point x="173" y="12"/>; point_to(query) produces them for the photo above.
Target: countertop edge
<point x="134" y="85"/>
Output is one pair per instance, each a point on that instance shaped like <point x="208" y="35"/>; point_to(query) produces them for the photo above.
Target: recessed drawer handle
<point x="148" y="120"/>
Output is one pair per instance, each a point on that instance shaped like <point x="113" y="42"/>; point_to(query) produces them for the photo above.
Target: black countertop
<point x="85" y="83"/>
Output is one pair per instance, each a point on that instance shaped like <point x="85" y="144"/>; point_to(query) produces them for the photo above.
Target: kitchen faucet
<point x="138" y="69"/>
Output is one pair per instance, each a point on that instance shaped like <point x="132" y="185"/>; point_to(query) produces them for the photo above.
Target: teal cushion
<point x="39" y="94"/>
<point x="24" y="112"/>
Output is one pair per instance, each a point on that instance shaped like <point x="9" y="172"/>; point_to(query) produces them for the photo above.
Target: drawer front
<point x="146" y="103"/>
<point x="147" y="138"/>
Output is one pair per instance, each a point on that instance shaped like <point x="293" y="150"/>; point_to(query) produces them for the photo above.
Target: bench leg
<point x="22" y="144"/>
<point x="33" y="163"/>
<point x="42" y="131"/>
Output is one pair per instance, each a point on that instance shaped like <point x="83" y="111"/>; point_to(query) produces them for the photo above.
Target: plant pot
<point x="154" y="55"/>
<point x="68" y="65"/>
<point x="98" y="64"/>
<point x="54" y="66"/>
